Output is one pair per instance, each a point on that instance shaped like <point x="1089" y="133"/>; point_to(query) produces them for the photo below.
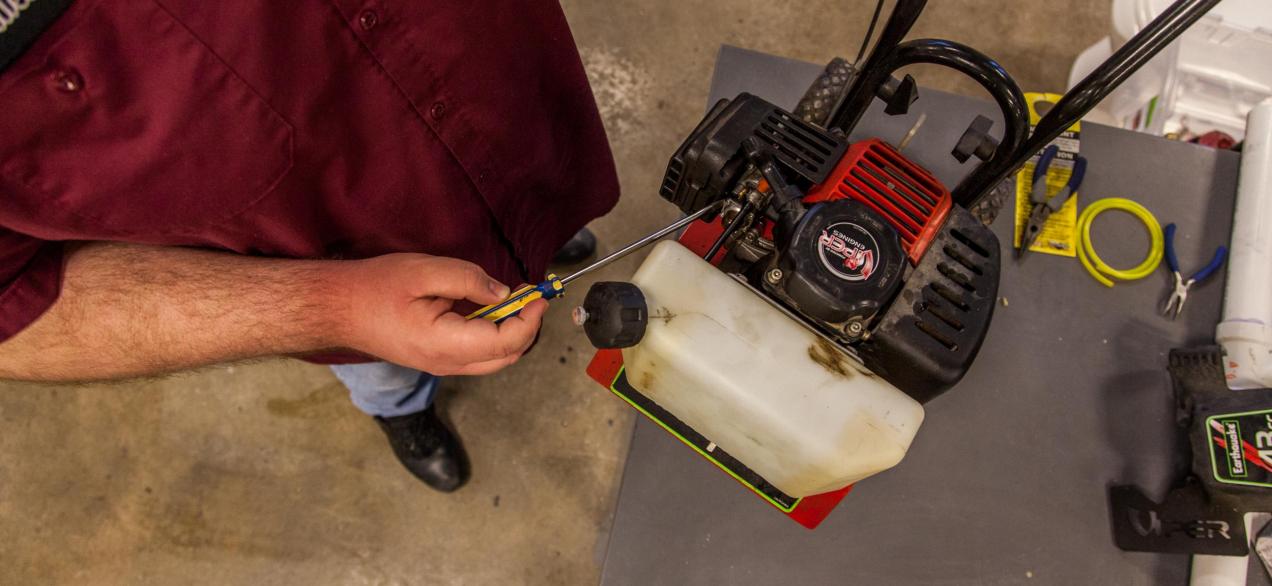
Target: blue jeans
<point x="387" y="390"/>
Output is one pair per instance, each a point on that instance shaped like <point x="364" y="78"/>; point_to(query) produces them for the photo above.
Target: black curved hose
<point x="991" y="76"/>
<point x="890" y="54"/>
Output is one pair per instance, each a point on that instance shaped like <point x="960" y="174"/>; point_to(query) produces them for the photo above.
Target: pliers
<point x="1180" y="293"/>
<point x="1044" y="206"/>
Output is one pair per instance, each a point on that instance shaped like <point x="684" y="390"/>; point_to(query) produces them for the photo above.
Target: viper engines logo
<point x="848" y="251"/>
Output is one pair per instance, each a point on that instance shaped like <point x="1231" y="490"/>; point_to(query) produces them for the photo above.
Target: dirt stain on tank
<point x="663" y="314"/>
<point x="647" y="378"/>
<point x="646" y="381"/>
<point x="826" y="355"/>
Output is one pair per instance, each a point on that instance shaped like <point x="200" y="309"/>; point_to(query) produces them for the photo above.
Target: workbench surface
<point x="1007" y="481"/>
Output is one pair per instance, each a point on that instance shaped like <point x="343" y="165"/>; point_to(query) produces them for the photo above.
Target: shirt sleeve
<point x="30" y="280"/>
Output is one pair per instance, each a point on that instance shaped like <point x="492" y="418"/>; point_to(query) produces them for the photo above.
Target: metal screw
<point x="579" y="315"/>
<point x="774" y="276"/>
<point x="854" y="328"/>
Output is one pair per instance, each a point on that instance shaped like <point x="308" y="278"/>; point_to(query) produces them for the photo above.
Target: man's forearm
<point x="129" y="310"/>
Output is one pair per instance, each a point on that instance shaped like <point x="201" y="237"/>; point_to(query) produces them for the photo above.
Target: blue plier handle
<point x="1039" y="193"/>
<point x="1180" y="292"/>
<point x="1044" y="206"/>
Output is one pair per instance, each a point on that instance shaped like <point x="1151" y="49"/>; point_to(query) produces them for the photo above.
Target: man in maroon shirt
<point x="184" y="183"/>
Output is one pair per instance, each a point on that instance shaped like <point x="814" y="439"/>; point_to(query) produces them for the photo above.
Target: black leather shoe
<point x="427" y="448"/>
<point x="579" y="247"/>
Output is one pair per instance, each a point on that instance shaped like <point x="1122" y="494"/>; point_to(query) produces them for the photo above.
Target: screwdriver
<point x="554" y="287"/>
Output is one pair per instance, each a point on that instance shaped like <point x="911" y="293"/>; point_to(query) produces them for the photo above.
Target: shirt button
<point x="67" y="80"/>
<point x="437" y="111"/>
<point x="368" y="19"/>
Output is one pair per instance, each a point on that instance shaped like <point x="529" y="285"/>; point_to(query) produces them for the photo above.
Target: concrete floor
<point x="264" y="473"/>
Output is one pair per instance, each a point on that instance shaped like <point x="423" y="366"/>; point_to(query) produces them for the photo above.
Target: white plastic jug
<point x="779" y="398"/>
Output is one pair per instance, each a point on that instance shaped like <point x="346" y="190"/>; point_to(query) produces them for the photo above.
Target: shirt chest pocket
<point x="125" y="125"/>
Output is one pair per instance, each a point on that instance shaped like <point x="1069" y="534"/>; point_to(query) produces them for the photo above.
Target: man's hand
<point x="129" y="310"/>
<point x="400" y="309"/>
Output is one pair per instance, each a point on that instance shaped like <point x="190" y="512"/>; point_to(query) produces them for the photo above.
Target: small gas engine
<point x="836" y="232"/>
<point x="834" y="286"/>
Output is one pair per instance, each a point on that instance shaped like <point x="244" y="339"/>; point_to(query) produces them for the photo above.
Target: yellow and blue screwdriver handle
<point x="517" y="300"/>
<point x="554" y="286"/>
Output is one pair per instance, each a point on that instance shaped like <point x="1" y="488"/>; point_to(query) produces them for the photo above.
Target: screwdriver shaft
<point x="637" y="245"/>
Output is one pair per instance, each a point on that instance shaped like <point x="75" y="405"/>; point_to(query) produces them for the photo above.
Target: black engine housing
<point x="928" y="337"/>
<point x="710" y="161"/>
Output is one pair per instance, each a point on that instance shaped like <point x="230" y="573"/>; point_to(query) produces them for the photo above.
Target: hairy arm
<point x="128" y="310"/>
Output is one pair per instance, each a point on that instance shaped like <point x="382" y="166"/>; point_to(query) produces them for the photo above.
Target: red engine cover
<point x="903" y="193"/>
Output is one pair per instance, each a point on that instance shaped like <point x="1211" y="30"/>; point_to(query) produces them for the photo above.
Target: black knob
<point x="613" y="315"/>
<point x="899" y="94"/>
<point x="976" y="141"/>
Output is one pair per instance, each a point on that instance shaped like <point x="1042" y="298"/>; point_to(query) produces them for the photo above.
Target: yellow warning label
<point x="1059" y="235"/>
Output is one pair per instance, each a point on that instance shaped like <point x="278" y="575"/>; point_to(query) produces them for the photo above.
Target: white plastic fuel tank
<point x="782" y="400"/>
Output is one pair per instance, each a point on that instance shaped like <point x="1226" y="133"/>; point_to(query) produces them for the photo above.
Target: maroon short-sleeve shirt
<point x="299" y="129"/>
